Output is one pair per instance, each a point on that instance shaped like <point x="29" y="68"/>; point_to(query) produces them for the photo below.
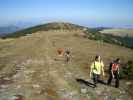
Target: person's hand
<point x="103" y="74"/>
<point x="90" y="75"/>
<point x="113" y="76"/>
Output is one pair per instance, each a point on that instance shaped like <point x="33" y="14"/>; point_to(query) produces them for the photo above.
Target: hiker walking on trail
<point x="96" y="69"/>
<point x="67" y="55"/>
<point x="60" y="52"/>
<point x="114" y="72"/>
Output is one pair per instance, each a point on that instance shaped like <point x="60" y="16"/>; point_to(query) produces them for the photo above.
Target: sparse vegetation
<point x="109" y="38"/>
<point x="127" y="71"/>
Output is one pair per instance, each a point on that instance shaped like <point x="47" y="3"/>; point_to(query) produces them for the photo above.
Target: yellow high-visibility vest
<point x="96" y="67"/>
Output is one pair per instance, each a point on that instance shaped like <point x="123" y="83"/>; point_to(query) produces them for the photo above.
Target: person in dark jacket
<point x="67" y="55"/>
<point x="114" y="72"/>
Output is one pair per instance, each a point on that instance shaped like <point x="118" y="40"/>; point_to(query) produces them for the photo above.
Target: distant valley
<point x="118" y="32"/>
<point x="8" y="29"/>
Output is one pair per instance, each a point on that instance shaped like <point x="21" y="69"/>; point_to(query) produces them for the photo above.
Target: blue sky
<point x="116" y="13"/>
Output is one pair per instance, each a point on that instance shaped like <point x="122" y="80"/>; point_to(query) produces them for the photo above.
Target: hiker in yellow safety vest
<point x="96" y="69"/>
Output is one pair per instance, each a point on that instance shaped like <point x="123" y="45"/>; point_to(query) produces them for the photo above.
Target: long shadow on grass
<point x="81" y="81"/>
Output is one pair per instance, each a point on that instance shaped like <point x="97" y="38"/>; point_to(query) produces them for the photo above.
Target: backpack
<point x="60" y="51"/>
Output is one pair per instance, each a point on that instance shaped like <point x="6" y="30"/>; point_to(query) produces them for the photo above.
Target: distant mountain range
<point x="8" y="29"/>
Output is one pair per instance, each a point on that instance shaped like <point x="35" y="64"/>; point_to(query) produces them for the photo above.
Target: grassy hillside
<point x="123" y="35"/>
<point x="28" y="67"/>
<point x="96" y="34"/>
<point x="45" y="27"/>
<point x="92" y="33"/>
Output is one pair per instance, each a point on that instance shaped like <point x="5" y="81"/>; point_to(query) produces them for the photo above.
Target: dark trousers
<point x="96" y="79"/>
<point x="116" y="77"/>
<point x="67" y="58"/>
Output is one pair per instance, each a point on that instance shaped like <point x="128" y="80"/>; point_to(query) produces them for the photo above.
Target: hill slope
<point x="28" y="68"/>
<point x="92" y="33"/>
<point x="98" y="34"/>
<point x="45" y="27"/>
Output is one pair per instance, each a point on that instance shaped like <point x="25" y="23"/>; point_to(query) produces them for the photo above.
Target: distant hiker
<point x="60" y="51"/>
<point x="97" y="68"/>
<point x="114" y="72"/>
<point x="67" y="55"/>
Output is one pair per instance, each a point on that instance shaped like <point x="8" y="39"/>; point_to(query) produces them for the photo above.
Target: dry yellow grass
<point x="36" y="53"/>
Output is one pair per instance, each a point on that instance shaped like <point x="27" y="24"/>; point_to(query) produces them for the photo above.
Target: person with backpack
<point x="60" y="52"/>
<point x="67" y="55"/>
<point x="96" y="69"/>
<point x="114" y="72"/>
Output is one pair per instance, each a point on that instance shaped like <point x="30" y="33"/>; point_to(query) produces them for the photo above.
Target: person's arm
<point x="112" y="70"/>
<point x="118" y="70"/>
<point x="112" y="73"/>
<point x="91" y="68"/>
<point x="103" y="69"/>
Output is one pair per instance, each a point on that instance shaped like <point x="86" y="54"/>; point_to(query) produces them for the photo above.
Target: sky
<point x="107" y="13"/>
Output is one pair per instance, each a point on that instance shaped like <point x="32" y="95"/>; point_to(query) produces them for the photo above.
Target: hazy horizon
<point x="91" y="13"/>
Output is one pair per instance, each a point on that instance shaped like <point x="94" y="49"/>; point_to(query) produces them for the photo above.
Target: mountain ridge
<point x="46" y="27"/>
<point x="91" y="33"/>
